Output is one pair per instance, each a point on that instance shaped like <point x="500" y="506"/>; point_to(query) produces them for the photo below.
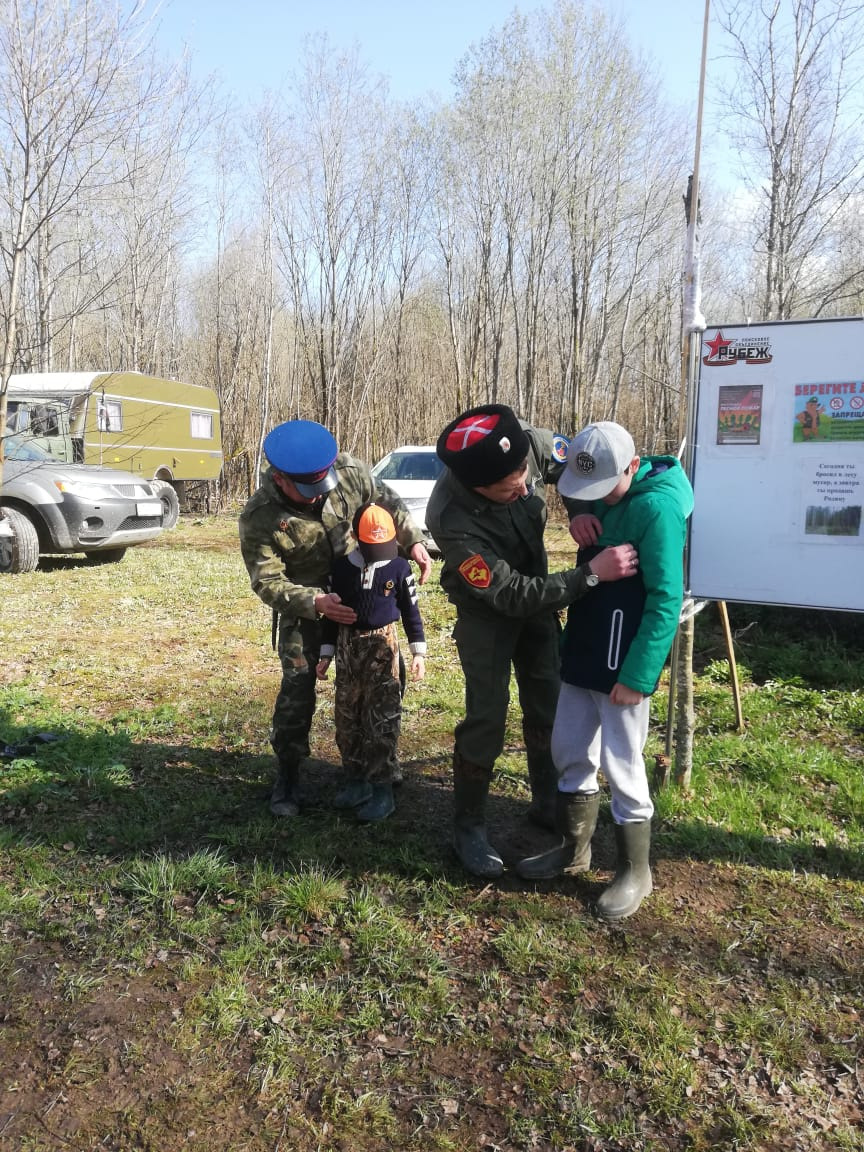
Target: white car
<point x="411" y="472"/>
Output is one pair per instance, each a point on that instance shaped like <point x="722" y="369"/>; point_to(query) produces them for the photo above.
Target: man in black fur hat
<point x="487" y="514"/>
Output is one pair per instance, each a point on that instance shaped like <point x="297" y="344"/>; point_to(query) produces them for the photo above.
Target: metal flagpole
<point x="693" y="324"/>
<point x="694" y="321"/>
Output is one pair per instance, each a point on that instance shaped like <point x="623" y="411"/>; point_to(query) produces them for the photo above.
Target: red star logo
<point x="715" y="345"/>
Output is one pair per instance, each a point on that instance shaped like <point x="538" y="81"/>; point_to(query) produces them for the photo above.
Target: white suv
<point x="411" y="472"/>
<point x="49" y="507"/>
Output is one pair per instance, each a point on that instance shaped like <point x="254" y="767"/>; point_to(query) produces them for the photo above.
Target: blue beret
<point x="300" y="448"/>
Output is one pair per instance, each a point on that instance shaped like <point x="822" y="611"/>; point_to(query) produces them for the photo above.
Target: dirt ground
<point x="99" y="1069"/>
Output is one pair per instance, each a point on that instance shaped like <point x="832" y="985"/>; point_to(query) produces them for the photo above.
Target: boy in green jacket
<point x="614" y="649"/>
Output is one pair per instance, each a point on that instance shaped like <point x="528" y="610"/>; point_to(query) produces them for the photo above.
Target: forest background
<point x="378" y="265"/>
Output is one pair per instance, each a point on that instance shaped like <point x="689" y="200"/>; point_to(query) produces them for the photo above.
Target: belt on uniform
<point x="373" y="631"/>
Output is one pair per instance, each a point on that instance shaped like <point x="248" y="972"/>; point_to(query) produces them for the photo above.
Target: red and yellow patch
<point x="476" y="571"/>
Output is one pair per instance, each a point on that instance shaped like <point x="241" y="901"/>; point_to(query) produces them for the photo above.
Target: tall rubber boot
<point x="575" y="819"/>
<point x="357" y="791"/>
<point x="470" y="792"/>
<point x="632" y="882"/>
<point x="542" y="774"/>
<point x="379" y="806"/>
<point x="283" y="798"/>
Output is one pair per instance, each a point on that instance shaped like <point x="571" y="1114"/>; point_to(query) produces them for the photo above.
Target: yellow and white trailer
<point x="165" y="430"/>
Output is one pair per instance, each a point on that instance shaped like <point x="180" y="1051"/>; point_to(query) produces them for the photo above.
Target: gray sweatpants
<point x="591" y="735"/>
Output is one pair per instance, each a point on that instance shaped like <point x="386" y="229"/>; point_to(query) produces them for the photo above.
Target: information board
<point x="778" y="465"/>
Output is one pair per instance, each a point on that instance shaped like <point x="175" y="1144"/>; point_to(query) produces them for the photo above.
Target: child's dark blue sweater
<point x="379" y="594"/>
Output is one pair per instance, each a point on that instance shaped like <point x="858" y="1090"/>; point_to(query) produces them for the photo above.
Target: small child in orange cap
<point x="378" y="584"/>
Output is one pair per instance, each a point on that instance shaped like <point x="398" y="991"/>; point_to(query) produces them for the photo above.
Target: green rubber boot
<point x="632" y="882"/>
<point x="575" y="819"/>
<point x="542" y="774"/>
<point x="470" y="792"/>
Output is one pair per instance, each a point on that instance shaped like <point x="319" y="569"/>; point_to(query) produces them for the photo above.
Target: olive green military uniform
<point x="510" y="615"/>
<point x="289" y="551"/>
<point x="496" y="573"/>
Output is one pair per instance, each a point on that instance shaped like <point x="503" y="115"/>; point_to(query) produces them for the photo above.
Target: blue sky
<point x="254" y="44"/>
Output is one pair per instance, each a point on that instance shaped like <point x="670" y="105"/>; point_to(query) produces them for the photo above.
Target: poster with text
<point x="832" y="492"/>
<point x="829" y="412"/>
<point x="739" y="414"/>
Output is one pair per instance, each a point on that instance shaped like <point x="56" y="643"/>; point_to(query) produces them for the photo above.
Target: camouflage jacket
<point x="289" y="550"/>
<point x="495" y="561"/>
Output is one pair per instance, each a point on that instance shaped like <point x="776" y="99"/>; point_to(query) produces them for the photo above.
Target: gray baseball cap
<point x="596" y="460"/>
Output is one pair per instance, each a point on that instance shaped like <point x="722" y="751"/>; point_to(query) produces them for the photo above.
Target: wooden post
<point x="663" y="760"/>
<point x="686" y="714"/>
<point x="733" y="667"/>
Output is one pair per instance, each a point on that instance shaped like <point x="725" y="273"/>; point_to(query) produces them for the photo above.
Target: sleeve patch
<point x="560" y="444"/>
<point x="476" y="572"/>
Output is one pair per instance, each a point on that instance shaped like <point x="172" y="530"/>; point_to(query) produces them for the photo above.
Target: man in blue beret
<point x="291" y="530"/>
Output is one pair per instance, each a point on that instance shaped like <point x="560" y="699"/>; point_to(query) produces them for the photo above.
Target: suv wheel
<point x="170" y="502"/>
<point x="20" y="551"/>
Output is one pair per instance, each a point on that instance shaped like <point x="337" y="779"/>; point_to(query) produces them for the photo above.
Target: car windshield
<point x="410" y="466"/>
<point x="17" y="449"/>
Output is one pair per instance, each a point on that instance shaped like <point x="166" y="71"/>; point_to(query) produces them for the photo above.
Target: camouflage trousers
<point x="368" y="702"/>
<point x="298" y="645"/>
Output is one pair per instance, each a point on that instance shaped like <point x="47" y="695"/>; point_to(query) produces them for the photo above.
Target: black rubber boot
<point x="632" y="882"/>
<point x="470" y="792"/>
<point x="283" y="798"/>
<point x="575" y="819"/>
<point x="542" y="774"/>
<point x="379" y="805"/>
<point x="356" y="791"/>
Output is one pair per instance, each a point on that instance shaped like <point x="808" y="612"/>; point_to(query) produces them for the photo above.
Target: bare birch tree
<point x="60" y="65"/>
<point x="329" y="222"/>
<point x="560" y="203"/>
<point x="153" y="211"/>
<point x="794" y="112"/>
<point x="463" y="271"/>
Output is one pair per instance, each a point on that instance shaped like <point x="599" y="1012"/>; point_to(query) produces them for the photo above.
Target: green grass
<point x="179" y="969"/>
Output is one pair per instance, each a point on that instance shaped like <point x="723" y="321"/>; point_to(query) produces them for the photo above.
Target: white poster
<point x="778" y="465"/>
<point x="831" y="502"/>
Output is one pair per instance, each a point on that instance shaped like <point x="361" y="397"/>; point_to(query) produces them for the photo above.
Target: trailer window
<point x="202" y="425"/>
<point x="109" y="416"/>
<point x="17" y="417"/>
<point x="43" y="420"/>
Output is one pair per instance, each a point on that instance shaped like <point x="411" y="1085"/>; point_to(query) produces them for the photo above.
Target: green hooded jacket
<point x="652" y="516"/>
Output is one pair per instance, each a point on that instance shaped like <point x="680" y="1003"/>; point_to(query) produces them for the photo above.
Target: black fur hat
<point x="483" y="445"/>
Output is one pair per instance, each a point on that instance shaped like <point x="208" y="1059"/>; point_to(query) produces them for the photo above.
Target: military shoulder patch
<point x="560" y="444"/>
<point x="476" y="572"/>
